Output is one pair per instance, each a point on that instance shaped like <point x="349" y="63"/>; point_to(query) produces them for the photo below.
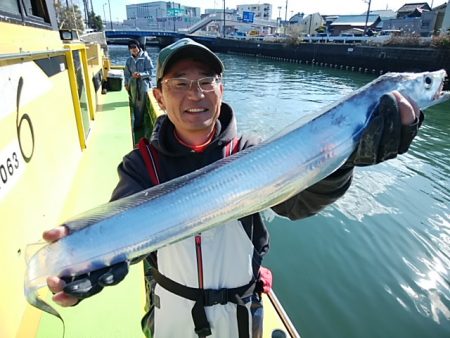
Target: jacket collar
<point x="163" y="133"/>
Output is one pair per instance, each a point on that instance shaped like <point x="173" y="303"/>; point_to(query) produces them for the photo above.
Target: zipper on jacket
<point x="198" y="251"/>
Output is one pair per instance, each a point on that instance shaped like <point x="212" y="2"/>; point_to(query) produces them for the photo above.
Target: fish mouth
<point x="440" y="91"/>
<point x="441" y="94"/>
<point x="445" y="83"/>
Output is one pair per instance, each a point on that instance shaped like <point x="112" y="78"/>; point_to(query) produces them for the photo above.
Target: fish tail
<point x="34" y="299"/>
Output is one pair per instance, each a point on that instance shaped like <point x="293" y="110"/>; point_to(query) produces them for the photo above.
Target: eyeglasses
<point x="182" y="85"/>
<point x="132" y="47"/>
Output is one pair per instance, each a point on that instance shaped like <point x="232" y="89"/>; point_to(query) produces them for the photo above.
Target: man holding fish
<point x="207" y="284"/>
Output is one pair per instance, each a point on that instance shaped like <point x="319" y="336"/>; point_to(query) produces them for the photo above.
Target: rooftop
<point x="355" y="20"/>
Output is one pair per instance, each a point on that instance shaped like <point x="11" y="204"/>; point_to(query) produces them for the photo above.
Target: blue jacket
<point x="141" y="64"/>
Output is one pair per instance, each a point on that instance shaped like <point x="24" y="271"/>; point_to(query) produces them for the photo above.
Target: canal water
<point x="377" y="262"/>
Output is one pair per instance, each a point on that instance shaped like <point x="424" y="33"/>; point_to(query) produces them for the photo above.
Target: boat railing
<point x="28" y="56"/>
<point x="68" y="51"/>
<point x="81" y="47"/>
<point x="283" y="315"/>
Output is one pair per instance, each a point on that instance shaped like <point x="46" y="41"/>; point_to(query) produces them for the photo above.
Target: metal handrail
<point x="283" y="315"/>
<point x="32" y="55"/>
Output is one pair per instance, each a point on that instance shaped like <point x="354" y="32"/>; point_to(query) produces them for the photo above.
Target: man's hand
<point x="70" y="291"/>
<point x="56" y="284"/>
<point x="136" y="75"/>
<point x="409" y="111"/>
<point x="394" y="124"/>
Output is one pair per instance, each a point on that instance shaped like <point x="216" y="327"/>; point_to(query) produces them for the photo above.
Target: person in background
<point x="137" y="73"/>
<point x="207" y="285"/>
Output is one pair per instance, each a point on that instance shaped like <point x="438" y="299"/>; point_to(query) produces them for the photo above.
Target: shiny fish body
<point x="250" y="181"/>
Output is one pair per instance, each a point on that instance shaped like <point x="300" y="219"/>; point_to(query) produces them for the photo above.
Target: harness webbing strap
<point x="151" y="159"/>
<point x="201" y="297"/>
<point x="210" y="297"/>
<point x="242" y="316"/>
<point x="232" y="147"/>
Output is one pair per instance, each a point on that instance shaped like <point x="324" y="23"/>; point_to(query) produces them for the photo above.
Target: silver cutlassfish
<point x="248" y="182"/>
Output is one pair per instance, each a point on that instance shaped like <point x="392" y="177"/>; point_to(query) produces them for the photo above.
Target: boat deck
<point x="116" y="312"/>
<point x="108" y="314"/>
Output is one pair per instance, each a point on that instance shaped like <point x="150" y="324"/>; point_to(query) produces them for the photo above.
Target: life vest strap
<point x="232" y="147"/>
<point x="201" y="297"/>
<point x="210" y="297"/>
<point x="151" y="159"/>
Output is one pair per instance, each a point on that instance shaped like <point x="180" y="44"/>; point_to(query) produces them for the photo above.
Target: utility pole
<point x="285" y="17"/>
<point x="367" y="17"/>
<point x="279" y="19"/>
<point x="285" y="12"/>
<point x="104" y="14"/>
<point x="91" y="16"/>
<point x="86" y="12"/>
<point x="110" y="17"/>
<point x="224" y="19"/>
<point x="173" y="5"/>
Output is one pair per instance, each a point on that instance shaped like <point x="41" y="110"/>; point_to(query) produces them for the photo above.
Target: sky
<point x="329" y="7"/>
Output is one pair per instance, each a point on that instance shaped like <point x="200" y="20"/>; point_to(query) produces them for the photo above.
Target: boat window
<point x="36" y="9"/>
<point x="10" y="6"/>
<point x="25" y="11"/>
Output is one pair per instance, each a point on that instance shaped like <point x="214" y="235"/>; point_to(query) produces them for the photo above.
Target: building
<point x="418" y="19"/>
<point x="161" y="15"/>
<point x="261" y="11"/>
<point x="412" y="10"/>
<point x="296" y="19"/>
<point x="250" y="19"/>
<point x="384" y="14"/>
<point x="443" y="19"/>
<point x="348" y="22"/>
<point x="407" y="25"/>
<point x="310" y="23"/>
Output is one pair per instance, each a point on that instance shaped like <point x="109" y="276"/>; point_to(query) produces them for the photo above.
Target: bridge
<point x="166" y="37"/>
<point x="122" y="36"/>
<point x="133" y="34"/>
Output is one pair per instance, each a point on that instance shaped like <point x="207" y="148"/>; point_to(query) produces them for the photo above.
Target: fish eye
<point x="428" y="82"/>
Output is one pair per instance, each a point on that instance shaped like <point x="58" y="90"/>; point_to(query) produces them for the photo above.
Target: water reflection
<point x="388" y="214"/>
<point x="363" y="199"/>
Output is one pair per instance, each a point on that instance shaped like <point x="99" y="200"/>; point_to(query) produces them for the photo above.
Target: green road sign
<point x="175" y="12"/>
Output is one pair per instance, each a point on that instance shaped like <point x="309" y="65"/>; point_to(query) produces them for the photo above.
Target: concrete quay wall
<point x="370" y="59"/>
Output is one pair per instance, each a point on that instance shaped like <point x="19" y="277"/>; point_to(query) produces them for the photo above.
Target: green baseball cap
<point x="184" y="49"/>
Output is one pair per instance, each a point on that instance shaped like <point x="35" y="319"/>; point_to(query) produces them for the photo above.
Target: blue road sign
<point x="248" y="16"/>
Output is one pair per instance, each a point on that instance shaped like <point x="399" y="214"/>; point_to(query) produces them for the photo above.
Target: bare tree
<point x="69" y="17"/>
